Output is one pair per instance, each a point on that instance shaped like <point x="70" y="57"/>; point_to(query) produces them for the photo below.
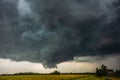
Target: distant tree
<point x="117" y="73"/>
<point x="97" y="72"/>
<point x="102" y="71"/>
<point x="55" y="73"/>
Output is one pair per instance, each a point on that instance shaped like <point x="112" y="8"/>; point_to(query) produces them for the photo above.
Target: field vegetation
<point x="56" y="77"/>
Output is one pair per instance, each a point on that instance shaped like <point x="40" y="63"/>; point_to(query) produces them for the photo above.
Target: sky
<point x="47" y="35"/>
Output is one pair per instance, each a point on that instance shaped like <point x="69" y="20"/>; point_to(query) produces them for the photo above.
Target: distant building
<point x="110" y="72"/>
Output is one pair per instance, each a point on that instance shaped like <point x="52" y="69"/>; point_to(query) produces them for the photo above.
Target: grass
<point x="55" y="77"/>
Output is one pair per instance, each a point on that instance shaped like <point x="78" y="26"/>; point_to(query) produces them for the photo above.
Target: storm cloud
<point x="55" y="31"/>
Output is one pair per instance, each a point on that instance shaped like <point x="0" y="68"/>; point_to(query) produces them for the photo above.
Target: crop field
<point x="55" y="77"/>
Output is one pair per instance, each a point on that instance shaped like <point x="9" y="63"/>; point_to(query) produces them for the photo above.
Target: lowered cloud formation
<point x="55" y="31"/>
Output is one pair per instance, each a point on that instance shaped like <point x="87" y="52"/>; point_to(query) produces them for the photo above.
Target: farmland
<point x="55" y="77"/>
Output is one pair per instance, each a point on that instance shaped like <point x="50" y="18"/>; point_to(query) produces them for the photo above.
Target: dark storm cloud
<point x="8" y="22"/>
<point x="58" y="30"/>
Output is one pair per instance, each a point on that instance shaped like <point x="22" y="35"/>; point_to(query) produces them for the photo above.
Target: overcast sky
<point x="65" y="35"/>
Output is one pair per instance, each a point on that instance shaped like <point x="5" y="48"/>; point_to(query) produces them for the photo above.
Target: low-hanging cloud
<point x="54" y="31"/>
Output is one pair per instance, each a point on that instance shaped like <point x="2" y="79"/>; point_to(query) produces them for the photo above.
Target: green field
<point x="55" y="77"/>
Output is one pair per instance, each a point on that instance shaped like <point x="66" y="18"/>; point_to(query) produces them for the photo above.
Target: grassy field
<point x="55" y="77"/>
